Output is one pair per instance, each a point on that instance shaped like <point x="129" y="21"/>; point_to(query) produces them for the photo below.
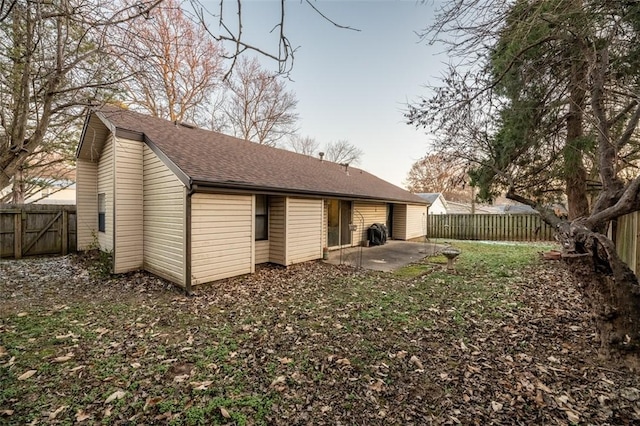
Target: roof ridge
<point x="118" y="109"/>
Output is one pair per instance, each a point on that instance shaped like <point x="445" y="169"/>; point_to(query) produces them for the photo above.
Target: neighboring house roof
<point x="205" y="158"/>
<point x="431" y="197"/>
<point x="517" y="209"/>
<point x="464" y="208"/>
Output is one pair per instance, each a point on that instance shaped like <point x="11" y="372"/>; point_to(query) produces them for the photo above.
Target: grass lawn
<point x="507" y="339"/>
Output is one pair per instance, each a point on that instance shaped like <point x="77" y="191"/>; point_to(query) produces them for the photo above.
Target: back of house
<point x="195" y="206"/>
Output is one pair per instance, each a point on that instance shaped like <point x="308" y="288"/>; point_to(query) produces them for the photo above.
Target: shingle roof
<point x="431" y="197"/>
<point x="213" y="159"/>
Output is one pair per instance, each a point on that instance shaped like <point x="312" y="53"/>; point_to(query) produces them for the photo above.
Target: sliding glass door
<point x="338" y="221"/>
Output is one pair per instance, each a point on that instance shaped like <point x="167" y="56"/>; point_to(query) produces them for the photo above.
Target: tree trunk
<point x="610" y="288"/>
<point x="575" y="173"/>
<point x="18" y="187"/>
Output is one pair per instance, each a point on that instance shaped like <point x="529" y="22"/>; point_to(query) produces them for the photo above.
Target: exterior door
<point x="338" y="221"/>
<point x="390" y="220"/>
<point x="345" y="221"/>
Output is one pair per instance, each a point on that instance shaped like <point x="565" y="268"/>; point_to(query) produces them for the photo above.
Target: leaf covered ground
<point x="507" y="340"/>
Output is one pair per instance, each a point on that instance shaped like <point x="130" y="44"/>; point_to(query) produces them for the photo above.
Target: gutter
<point x="206" y="186"/>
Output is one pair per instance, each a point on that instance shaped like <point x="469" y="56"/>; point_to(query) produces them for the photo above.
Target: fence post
<point x="17" y="235"/>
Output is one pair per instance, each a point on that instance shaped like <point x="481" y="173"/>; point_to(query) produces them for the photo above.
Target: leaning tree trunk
<point x="574" y="169"/>
<point x="610" y="288"/>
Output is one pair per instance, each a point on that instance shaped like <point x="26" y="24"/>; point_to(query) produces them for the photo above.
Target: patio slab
<point x="389" y="257"/>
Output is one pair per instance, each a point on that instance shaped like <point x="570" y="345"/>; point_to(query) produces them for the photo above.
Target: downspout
<point x="190" y="192"/>
<point x="113" y="202"/>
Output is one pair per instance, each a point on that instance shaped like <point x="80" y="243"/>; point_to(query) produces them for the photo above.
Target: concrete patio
<point x="389" y="257"/>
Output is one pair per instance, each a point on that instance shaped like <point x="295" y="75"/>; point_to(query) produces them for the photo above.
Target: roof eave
<point x="200" y="185"/>
<point x="182" y="176"/>
<point x="83" y="133"/>
<point x="87" y="123"/>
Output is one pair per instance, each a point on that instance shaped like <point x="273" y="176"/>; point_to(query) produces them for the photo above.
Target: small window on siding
<point x="262" y="218"/>
<point x="102" y="211"/>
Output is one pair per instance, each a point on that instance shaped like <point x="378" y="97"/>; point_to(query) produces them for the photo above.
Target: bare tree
<point x="5" y="8"/>
<point x="181" y="69"/>
<point x="51" y="164"/>
<point x="232" y="32"/>
<point x="257" y="106"/>
<point x="343" y="152"/>
<point x="52" y="65"/>
<point x="440" y="173"/>
<point x="303" y="145"/>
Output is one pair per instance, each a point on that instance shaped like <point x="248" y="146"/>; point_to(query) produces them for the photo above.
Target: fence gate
<point x="32" y="230"/>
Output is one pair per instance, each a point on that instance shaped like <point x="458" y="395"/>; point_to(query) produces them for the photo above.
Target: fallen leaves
<point x="201" y="385"/>
<point x="67" y="336"/>
<point x="76" y="368"/>
<point x="278" y="383"/>
<point x="543" y="387"/>
<point x="573" y="417"/>
<point x="181" y="378"/>
<point x="62" y="359"/>
<point x="463" y="347"/>
<point x="59" y="410"/>
<point x="324" y="345"/>
<point x="415" y="361"/>
<point x="225" y="413"/>
<point x="101" y="332"/>
<point x="81" y="416"/>
<point x="377" y="386"/>
<point x="27" y="374"/>
<point x="119" y="394"/>
<point x="630" y="394"/>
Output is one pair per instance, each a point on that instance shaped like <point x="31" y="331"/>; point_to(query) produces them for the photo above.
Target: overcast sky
<point x="354" y="85"/>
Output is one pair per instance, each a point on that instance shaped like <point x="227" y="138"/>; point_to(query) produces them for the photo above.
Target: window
<point x="102" y="210"/>
<point x="262" y="228"/>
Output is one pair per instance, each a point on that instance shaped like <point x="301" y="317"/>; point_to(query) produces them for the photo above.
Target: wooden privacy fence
<point x="625" y="232"/>
<point x="490" y="227"/>
<point x="31" y="230"/>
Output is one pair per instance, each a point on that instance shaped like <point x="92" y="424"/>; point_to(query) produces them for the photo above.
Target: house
<point x="45" y="191"/>
<point x="437" y="203"/>
<point x="195" y="206"/>
<point x="55" y="192"/>
<point x="467" y="208"/>
<point x="516" y="208"/>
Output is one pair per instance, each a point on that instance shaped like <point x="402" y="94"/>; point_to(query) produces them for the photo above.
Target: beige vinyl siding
<point x="105" y="186"/>
<point x="164" y="217"/>
<point x="262" y="251"/>
<point x="129" y="244"/>
<point x="304" y="230"/>
<point x="222" y="233"/>
<point x="416" y="217"/>
<point x="371" y="213"/>
<point x="399" y="222"/>
<point x="277" y="230"/>
<point x="86" y="203"/>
